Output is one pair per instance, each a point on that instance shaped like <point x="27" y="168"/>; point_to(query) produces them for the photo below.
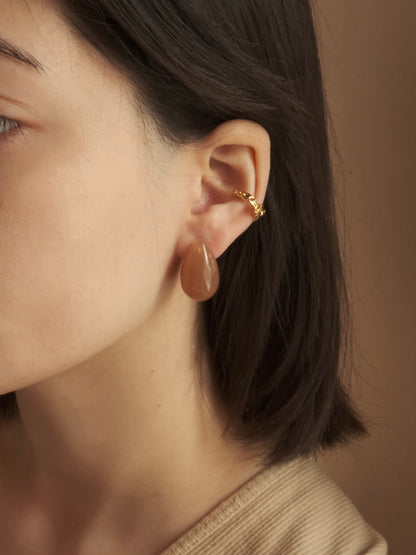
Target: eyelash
<point x="15" y="130"/>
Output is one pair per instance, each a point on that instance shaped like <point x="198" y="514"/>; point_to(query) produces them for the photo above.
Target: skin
<point x="119" y="449"/>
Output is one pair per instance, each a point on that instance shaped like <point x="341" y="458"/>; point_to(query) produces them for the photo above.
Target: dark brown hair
<point x="277" y="326"/>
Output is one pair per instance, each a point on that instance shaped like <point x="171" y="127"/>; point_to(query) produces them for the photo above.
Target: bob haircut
<point x="275" y="329"/>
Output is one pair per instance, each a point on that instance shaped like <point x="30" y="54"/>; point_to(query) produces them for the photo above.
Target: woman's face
<point x="88" y="217"/>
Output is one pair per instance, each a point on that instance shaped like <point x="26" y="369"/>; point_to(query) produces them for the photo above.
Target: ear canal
<point x="199" y="272"/>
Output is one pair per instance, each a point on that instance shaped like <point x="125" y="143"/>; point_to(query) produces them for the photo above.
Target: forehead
<point x="37" y="28"/>
<point x="34" y="27"/>
<point x="74" y="70"/>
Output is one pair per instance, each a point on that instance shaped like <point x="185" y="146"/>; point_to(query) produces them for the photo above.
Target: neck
<point x="124" y="438"/>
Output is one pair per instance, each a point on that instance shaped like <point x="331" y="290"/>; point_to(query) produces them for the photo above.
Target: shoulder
<point x="292" y="508"/>
<point x="318" y="515"/>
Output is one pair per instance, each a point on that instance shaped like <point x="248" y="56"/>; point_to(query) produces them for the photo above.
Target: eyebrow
<point x="10" y="50"/>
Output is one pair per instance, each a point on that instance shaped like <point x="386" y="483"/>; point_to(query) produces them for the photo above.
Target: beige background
<point x="368" y="51"/>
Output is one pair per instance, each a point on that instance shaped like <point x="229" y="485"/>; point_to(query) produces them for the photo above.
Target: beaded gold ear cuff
<point x="259" y="211"/>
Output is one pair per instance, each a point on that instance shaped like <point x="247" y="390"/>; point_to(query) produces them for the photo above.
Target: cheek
<point x="79" y="265"/>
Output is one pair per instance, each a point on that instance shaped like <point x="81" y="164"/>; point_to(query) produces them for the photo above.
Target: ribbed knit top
<point x="292" y="508"/>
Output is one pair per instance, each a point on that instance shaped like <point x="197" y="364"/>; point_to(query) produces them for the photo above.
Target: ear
<point x="236" y="155"/>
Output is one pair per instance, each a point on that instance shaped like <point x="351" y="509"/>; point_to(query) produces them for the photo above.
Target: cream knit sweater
<point x="292" y="508"/>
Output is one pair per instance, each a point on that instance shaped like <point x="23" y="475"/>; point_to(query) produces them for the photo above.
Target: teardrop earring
<point x="199" y="272"/>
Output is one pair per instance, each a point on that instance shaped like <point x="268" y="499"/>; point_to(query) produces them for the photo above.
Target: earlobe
<point x="199" y="271"/>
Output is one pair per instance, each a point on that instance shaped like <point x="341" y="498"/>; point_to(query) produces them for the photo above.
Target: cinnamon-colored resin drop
<point x="199" y="272"/>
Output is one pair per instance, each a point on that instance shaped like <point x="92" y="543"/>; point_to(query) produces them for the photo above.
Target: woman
<point x="172" y="289"/>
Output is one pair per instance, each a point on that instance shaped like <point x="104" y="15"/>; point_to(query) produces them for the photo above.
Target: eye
<point x="9" y="127"/>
